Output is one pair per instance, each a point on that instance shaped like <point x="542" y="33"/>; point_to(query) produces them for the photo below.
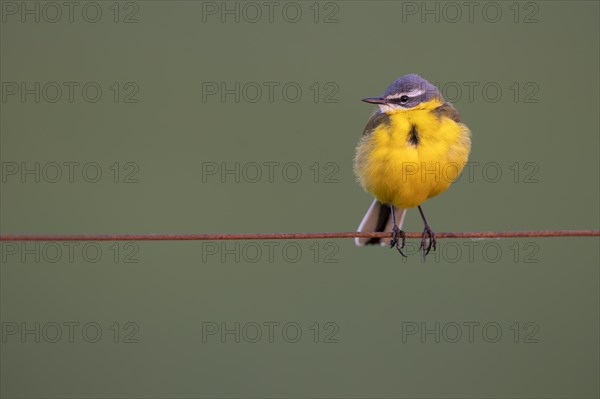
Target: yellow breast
<point x="403" y="170"/>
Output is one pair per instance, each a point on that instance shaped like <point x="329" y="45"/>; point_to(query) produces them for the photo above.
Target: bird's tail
<point x="378" y="218"/>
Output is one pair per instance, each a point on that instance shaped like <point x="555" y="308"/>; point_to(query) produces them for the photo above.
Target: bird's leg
<point x="398" y="236"/>
<point x="427" y="235"/>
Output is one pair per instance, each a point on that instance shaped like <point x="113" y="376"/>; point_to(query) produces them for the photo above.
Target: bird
<point x="413" y="147"/>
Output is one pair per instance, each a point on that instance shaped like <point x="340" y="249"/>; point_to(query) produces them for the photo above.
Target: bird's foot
<point x="398" y="240"/>
<point x="428" y="242"/>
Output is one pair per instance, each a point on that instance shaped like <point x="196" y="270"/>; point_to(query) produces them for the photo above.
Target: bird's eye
<point x="403" y="99"/>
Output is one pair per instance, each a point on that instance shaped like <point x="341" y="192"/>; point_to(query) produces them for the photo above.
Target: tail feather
<point x="378" y="218"/>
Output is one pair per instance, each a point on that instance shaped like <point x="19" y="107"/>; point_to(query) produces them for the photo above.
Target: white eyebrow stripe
<point x="412" y="93"/>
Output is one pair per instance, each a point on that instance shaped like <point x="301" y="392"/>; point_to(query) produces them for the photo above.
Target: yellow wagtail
<point x="412" y="148"/>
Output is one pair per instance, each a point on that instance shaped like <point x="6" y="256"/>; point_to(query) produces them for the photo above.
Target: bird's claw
<point x="428" y="235"/>
<point x="398" y="240"/>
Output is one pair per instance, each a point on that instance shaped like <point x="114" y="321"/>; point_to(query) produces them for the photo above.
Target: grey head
<point x="406" y="92"/>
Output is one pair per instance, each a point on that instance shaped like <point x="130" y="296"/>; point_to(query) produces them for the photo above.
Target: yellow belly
<point x="402" y="174"/>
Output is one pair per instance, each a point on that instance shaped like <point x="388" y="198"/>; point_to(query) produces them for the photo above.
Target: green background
<point x="369" y="293"/>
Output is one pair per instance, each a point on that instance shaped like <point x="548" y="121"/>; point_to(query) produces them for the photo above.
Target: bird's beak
<point x="374" y="100"/>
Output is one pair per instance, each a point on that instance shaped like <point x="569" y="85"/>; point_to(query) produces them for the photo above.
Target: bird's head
<point x="405" y="93"/>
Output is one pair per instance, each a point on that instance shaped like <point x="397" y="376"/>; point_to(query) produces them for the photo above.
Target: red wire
<point x="290" y="236"/>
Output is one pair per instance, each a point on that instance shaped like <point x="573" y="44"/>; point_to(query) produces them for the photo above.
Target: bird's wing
<point x="375" y="120"/>
<point x="448" y="110"/>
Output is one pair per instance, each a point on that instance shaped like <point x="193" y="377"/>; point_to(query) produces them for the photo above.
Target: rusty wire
<point x="290" y="236"/>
